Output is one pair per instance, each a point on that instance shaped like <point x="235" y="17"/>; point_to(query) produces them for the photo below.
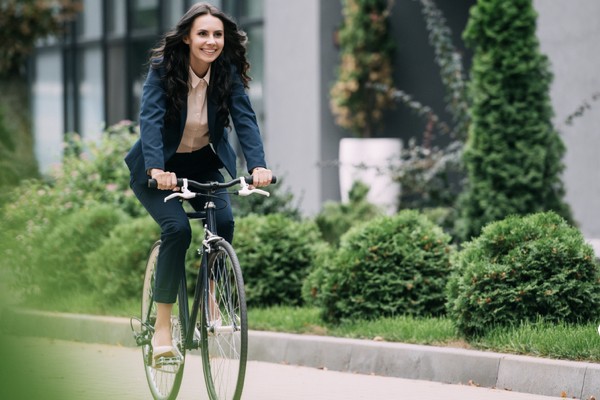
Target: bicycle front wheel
<point x="224" y="325"/>
<point x="164" y="380"/>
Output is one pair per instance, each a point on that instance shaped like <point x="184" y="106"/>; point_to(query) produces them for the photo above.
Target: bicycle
<point x="217" y="323"/>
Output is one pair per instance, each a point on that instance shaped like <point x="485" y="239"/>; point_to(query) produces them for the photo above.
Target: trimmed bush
<point x="314" y="283"/>
<point x="386" y="267"/>
<point x="523" y="269"/>
<point x="116" y="267"/>
<point x="59" y="260"/>
<point x="275" y="253"/>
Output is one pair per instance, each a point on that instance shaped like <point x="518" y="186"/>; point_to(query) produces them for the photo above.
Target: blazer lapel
<point x="215" y="136"/>
<point x="183" y="120"/>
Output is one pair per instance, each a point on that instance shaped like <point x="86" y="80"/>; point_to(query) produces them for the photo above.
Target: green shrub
<point x="513" y="155"/>
<point x="58" y="260"/>
<point x="89" y="174"/>
<point x="9" y="168"/>
<point x="26" y="219"/>
<point x="96" y="170"/>
<point x="522" y="269"/>
<point x="17" y="158"/>
<point x="389" y="266"/>
<point x="275" y="253"/>
<point x="318" y="274"/>
<point x="336" y="218"/>
<point x="116" y="267"/>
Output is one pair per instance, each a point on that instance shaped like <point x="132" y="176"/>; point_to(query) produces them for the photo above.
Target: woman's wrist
<point x="154" y="171"/>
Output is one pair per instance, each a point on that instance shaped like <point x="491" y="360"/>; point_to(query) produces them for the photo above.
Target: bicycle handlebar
<point x="152" y="184"/>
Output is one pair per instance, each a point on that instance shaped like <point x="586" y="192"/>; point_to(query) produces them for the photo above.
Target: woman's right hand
<point x="165" y="180"/>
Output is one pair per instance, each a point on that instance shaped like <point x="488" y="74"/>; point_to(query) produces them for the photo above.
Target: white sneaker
<point x="162" y="351"/>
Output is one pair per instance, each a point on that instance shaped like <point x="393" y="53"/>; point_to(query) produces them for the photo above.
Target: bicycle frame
<point x="189" y="320"/>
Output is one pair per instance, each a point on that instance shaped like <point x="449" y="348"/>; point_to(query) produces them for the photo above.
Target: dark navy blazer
<point x="160" y="139"/>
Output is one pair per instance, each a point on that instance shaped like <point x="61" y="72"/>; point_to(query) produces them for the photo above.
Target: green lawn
<point x="570" y="342"/>
<point x="562" y="341"/>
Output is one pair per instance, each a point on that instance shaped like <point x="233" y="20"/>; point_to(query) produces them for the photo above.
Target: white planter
<point x="370" y="161"/>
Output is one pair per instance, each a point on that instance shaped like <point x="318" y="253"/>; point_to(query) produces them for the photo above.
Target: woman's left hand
<point x="261" y="177"/>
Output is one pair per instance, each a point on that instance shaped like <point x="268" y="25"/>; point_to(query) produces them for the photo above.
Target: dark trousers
<point x="176" y="233"/>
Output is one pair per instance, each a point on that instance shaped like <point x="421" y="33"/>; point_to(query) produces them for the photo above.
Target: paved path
<point x="80" y="371"/>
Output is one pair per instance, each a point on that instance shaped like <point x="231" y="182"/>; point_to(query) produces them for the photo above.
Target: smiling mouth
<point x="208" y="51"/>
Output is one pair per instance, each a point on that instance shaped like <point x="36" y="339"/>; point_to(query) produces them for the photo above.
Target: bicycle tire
<point x="164" y="381"/>
<point x="224" y="346"/>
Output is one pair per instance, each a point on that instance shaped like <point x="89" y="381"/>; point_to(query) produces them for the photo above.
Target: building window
<point x="139" y="69"/>
<point x="173" y="11"/>
<point x="91" y="95"/>
<point x="249" y="14"/>
<point x="48" y="109"/>
<point x="145" y="15"/>
<point x="252" y="8"/>
<point x="116" y="84"/>
<point x="256" y="54"/>
<point x="89" y="24"/>
<point x="116" y="17"/>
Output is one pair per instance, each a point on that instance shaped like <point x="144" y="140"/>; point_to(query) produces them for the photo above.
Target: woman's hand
<point x="166" y="180"/>
<point x="261" y="177"/>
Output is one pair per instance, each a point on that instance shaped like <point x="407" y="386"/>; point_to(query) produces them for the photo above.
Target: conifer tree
<point x="513" y="154"/>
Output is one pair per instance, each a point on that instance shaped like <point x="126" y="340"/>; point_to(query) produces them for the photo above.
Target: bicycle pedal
<point x="140" y="339"/>
<point x="141" y="336"/>
<point x="161" y="362"/>
<point x="223" y="329"/>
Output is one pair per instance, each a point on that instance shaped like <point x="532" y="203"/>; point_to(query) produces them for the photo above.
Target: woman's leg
<point x="175" y="239"/>
<point x="162" y="327"/>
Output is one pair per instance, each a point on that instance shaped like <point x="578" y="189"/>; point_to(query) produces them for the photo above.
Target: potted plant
<point x="366" y="51"/>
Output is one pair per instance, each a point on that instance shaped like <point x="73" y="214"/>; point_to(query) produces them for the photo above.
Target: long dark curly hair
<point x="174" y="56"/>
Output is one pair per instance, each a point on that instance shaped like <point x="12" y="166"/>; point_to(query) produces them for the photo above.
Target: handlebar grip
<point x="249" y="179"/>
<point x="152" y="184"/>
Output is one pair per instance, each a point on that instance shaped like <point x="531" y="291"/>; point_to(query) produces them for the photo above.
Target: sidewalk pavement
<point x="580" y="380"/>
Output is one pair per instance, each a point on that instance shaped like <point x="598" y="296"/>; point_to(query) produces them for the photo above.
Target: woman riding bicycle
<point x="196" y="82"/>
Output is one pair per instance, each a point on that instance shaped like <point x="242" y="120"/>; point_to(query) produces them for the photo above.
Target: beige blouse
<point x="195" y="133"/>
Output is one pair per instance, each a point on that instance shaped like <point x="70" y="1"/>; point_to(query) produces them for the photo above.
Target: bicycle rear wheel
<point x="164" y="380"/>
<point x="224" y="325"/>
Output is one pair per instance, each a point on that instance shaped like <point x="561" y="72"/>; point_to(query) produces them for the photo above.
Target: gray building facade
<point x="569" y="33"/>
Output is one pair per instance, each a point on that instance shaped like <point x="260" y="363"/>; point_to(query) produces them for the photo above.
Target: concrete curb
<point x="448" y="365"/>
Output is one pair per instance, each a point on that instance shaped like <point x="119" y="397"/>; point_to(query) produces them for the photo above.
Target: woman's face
<point x="206" y="40"/>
